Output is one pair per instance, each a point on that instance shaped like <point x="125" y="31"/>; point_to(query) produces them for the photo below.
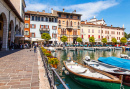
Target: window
<point x="59" y="15"/>
<point x="46" y="19"/>
<point x="74" y="32"/>
<point x="88" y="30"/>
<point x="117" y="33"/>
<point x="102" y="37"/>
<point x="92" y="35"/>
<point x="98" y="31"/>
<point x="42" y="26"/>
<point x="35" y="18"/>
<point x="63" y="22"/>
<point x="46" y="26"/>
<point x="108" y="32"/>
<point x="122" y="33"/>
<point x="78" y="23"/>
<point x="32" y="34"/>
<point x="67" y="16"/>
<point x="71" y="17"/>
<point x="71" y="23"/>
<point x="26" y="17"/>
<point x="92" y="30"/>
<point x="102" y="31"/>
<point x="82" y="31"/>
<point x="32" y="18"/>
<point x="38" y="18"/>
<point x="59" y="22"/>
<point x="33" y="26"/>
<point x="42" y="19"/>
<point x="54" y="27"/>
<point x="55" y="19"/>
<point x="67" y="23"/>
<point x="88" y="36"/>
<point x="78" y="17"/>
<point x="26" y="25"/>
<point x="26" y="33"/>
<point x="54" y="35"/>
<point x="74" y="23"/>
<point x="117" y="38"/>
<point x="63" y="31"/>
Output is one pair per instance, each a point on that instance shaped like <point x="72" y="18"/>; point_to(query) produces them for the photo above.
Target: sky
<point x="114" y="12"/>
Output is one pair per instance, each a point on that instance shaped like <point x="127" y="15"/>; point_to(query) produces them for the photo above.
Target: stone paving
<point x="19" y="69"/>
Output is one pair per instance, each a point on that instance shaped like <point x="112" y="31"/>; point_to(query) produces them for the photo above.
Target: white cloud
<point x="88" y="10"/>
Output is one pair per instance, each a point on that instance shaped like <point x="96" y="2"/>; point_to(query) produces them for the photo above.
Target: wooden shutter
<point x="34" y="25"/>
<point x="56" y="35"/>
<point x="56" y="27"/>
<point x="48" y="26"/>
<point x="44" y="26"/>
<point x="52" y="35"/>
<point x="30" y="34"/>
<point x="34" y="34"/>
<point x="30" y="25"/>
<point x="52" y="27"/>
<point x="40" y="26"/>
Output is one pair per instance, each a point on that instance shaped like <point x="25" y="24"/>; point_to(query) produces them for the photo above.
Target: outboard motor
<point x="87" y="58"/>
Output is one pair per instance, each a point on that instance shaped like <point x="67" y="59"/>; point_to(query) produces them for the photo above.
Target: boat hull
<point x="94" y="84"/>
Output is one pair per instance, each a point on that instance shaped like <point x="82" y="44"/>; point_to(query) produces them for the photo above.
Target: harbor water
<point x="79" y="56"/>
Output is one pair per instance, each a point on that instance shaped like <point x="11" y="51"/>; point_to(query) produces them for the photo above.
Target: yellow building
<point x="68" y="25"/>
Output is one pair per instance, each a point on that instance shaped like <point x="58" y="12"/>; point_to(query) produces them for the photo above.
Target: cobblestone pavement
<point x="19" y="69"/>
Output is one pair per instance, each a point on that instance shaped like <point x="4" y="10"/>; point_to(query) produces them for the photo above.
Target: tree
<point x="92" y="39"/>
<point x="46" y="36"/>
<point x="123" y="40"/>
<point x="114" y="40"/>
<point x="79" y="39"/>
<point x="126" y="35"/>
<point x="104" y="40"/>
<point x="64" y="39"/>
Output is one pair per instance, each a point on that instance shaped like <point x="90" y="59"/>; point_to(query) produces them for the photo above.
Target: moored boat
<point x="118" y="48"/>
<point x="117" y="71"/>
<point x="89" y="76"/>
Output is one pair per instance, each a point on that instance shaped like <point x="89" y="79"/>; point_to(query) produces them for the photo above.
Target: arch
<point x="71" y="23"/>
<point x="4" y="35"/>
<point x="16" y="30"/>
<point x="59" y="22"/>
<point x="67" y="23"/>
<point x="11" y="33"/>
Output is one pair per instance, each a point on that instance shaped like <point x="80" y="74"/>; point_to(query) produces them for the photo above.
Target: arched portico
<point x="3" y="32"/>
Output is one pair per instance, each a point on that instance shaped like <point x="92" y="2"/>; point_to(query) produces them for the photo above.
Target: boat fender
<point x="87" y="58"/>
<point x="66" y="72"/>
<point x="63" y="68"/>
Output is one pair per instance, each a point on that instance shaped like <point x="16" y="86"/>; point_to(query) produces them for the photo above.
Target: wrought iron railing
<point x="51" y="72"/>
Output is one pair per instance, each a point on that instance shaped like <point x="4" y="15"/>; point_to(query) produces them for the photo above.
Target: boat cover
<point x="119" y="62"/>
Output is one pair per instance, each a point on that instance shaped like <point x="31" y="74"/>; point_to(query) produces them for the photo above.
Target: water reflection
<point x="79" y="56"/>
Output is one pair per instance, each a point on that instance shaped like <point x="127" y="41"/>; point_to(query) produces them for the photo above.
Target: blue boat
<point x="119" y="62"/>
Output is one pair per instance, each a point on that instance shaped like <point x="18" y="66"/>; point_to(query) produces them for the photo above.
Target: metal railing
<point x="51" y="72"/>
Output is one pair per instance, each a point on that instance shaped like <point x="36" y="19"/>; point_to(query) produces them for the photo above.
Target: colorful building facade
<point x="99" y="29"/>
<point x="37" y="23"/>
<point x="68" y="25"/>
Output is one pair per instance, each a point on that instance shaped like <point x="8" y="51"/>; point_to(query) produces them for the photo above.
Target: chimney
<point x="123" y="26"/>
<point x="63" y="9"/>
<point x="86" y="22"/>
<point x="74" y="10"/>
<point x="102" y="19"/>
<point x="43" y="11"/>
<point x="52" y="10"/>
<point x="111" y="25"/>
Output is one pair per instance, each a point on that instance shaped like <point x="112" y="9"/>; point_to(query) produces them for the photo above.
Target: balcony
<point x="78" y="27"/>
<point x="59" y="26"/>
<point x="44" y="29"/>
<point x="63" y="35"/>
<point x="75" y="35"/>
<point x="69" y="27"/>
